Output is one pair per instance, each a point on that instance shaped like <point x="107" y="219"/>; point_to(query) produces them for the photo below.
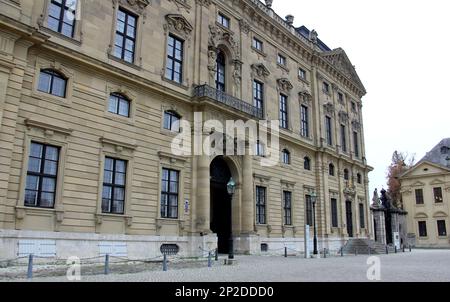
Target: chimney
<point x="290" y="20"/>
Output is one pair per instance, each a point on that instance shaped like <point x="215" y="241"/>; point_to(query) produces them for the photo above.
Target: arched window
<point x="286" y="157"/>
<point x="221" y="71"/>
<point x="331" y="170"/>
<point x="52" y="82"/>
<point x="172" y="121"/>
<point x="346" y="174"/>
<point x="119" y="104"/>
<point x="307" y="163"/>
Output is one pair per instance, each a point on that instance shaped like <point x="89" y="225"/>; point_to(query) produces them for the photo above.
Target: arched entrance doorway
<point x="221" y="203"/>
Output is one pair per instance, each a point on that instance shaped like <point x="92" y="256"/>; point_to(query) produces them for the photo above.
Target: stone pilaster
<point x="248" y="207"/>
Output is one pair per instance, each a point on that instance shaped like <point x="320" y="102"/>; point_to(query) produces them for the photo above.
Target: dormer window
<point x="445" y="150"/>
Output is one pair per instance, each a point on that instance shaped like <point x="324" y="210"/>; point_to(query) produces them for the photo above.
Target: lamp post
<point x="231" y="188"/>
<point x="313" y="201"/>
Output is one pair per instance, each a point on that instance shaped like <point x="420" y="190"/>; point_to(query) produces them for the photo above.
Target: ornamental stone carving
<point x="260" y="70"/>
<point x="212" y="63"/>
<point x="245" y="26"/>
<point x="356" y="125"/>
<point x="218" y="36"/>
<point x="305" y="98"/>
<point x="181" y="4"/>
<point x="329" y="109"/>
<point x="137" y="5"/>
<point x="269" y="3"/>
<point x="205" y="3"/>
<point x="284" y="85"/>
<point x="178" y="24"/>
<point x="343" y="117"/>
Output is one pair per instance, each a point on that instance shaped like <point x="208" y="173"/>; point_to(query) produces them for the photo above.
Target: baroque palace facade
<point x="89" y="95"/>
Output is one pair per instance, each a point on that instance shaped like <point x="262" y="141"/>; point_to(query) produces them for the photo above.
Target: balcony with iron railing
<point x="219" y="97"/>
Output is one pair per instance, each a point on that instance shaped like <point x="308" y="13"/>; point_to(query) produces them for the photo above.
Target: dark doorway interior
<point x="220" y="203"/>
<point x="348" y="206"/>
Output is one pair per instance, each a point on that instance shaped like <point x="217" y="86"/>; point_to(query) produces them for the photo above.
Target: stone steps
<point x="366" y="247"/>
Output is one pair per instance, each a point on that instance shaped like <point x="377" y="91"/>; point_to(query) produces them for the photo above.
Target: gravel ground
<point x="418" y="266"/>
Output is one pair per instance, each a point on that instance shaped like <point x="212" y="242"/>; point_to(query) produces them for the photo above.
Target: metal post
<point x="410" y="249"/>
<point x="285" y="252"/>
<point x="370" y="251"/>
<point x="342" y="252"/>
<point x="356" y="252"/>
<point x="30" y="267"/>
<point x="217" y="255"/>
<point x="315" y="252"/>
<point x="403" y="248"/>
<point x="395" y="249"/>
<point x="107" y="264"/>
<point x="387" y="250"/>
<point x="209" y="259"/>
<point x="324" y="253"/>
<point x="165" y="263"/>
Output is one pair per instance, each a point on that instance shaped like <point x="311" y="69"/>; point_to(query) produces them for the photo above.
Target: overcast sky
<point x="401" y="50"/>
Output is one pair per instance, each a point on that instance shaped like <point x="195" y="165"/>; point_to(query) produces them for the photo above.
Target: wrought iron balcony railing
<point x="206" y="91"/>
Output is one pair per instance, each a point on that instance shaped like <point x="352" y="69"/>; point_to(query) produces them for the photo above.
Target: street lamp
<point x="313" y="201"/>
<point x="231" y="188"/>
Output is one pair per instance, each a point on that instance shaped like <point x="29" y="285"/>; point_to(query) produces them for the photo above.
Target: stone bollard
<point x="165" y="263"/>
<point x="107" y="264"/>
<point x="30" y="267"/>
<point x="285" y="252"/>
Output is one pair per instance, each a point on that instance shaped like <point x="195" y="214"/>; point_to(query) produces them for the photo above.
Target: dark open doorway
<point x="220" y="203"/>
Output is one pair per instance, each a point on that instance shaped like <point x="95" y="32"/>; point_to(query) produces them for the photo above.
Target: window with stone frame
<point x="438" y="195"/>
<point x="174" y="62"/>
<point x="119" y="104"/>
<point x="170" y="193"/>
<point x="286" y="157"/>
<point x="43" y="165"/>
<point x="309" y="210"/>
<point x="260" y="205"/>
<point x="287" y="205"/>
<point x="52" y="82"/>
<point x="125" y="36"/>
<point x="223" y="20"/>
<point x="419" y="196"/>
<point x="281" y="60"/>
<point x="442" y="228"/>
<point x="284" y="115"/>
<point x="304" y="116"/>
<point x="334" y="213"/>
<point x="307" y="163"/>
<point x="258" y="44"/>
<point x="329" y="130"/>
<point x="423" y="229"/>
<point x="172" y="121"/>
<point x="62" y="16"/>
<point x="114" y="186"/>
<point x="362" y="220"/>
<point x="331" y="170"/>
<point x="258" y="95"/>
<point x="343" y="138"/>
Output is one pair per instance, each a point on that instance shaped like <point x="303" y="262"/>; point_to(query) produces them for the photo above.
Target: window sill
<point x="260" y="52"/>
<point x="183" y="85"/>
<point x="304" y="81"/>
<point x="169" y="133"/>
<point x="66" y="102"/>
<point x="119" y="60"/>
<point x="59" y="35"/>
<point x="284" y="67"/>
<point x="23" y="211"/>
<point x="227" y="29"/>
<point x="101" y="216"/>
<point x="118" y="118"/>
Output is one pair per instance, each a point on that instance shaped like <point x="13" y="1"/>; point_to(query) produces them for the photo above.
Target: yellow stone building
<point x="90" y="93"/>
<point x="426" y="197"/>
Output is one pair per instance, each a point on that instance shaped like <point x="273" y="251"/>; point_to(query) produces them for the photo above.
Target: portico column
<point x="248" y="211"/>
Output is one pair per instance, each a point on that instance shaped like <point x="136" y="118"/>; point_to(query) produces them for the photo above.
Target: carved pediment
<point x="260" y="70"/>
<point x="178" y="24"/>
<point x="181" y="4"/>
<point x="343" y="117"/>
<point x="136" y="5"/>
<point x="218" y="36"/>
<point x="305" y="98"/>
<point x="329" y="109"/>
<point x="340" y="60"/>
<point x="356" y="125"/>
<point x="284" y="85"/>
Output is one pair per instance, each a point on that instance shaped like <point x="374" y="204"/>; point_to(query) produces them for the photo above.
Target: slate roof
<point x="440" y="154"/>
<point x="305" y="33"/>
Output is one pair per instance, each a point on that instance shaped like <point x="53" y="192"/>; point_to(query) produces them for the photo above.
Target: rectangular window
<point x="260" y="149"/>
<point x="329" y="129"/>
<point x="334" y="213"/>
<point x="442" y="228"/>
<point x="114" y="183"/>
<point x="302" y="74"/>
<point x="287" y="200"/>
<point x="309" y="210"/>
<point x="169" y="193"/>
<point x="172" y="121"/>
<point x="284" y="119"/>
<point x="326" y="87"/>
<point x="281" y="60"/>
<point x="224" y="21"/>
<point x="61" y="16"/>
<point x="260" y="205"/>
<point x="258" y="95"/>
<point x="354" y="107"/>
<point x="119" y="105"/>
<point x="362" y="220"/>
<point x="174" y="65"/>
<point x="257" y="44"/>
<point x="125" y="39"/>
<point x="419" y="196"/>
<point x="423" y="229"/>
<point x="356" y="143"/>
<point x="42" y="175"/>
<point x="340" y="98"/>
<point x="304" y="112"/>
<point x="438" y="195"/>
<point x="344" y="138"/>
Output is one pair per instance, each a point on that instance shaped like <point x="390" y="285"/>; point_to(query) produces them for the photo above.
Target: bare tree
<point x="401" y="162"/>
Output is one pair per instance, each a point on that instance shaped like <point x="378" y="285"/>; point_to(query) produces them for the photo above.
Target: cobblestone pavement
<point x="420" y="265"/>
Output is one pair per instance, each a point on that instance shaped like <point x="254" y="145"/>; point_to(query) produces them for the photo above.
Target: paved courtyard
<point x="420" y="265"/>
